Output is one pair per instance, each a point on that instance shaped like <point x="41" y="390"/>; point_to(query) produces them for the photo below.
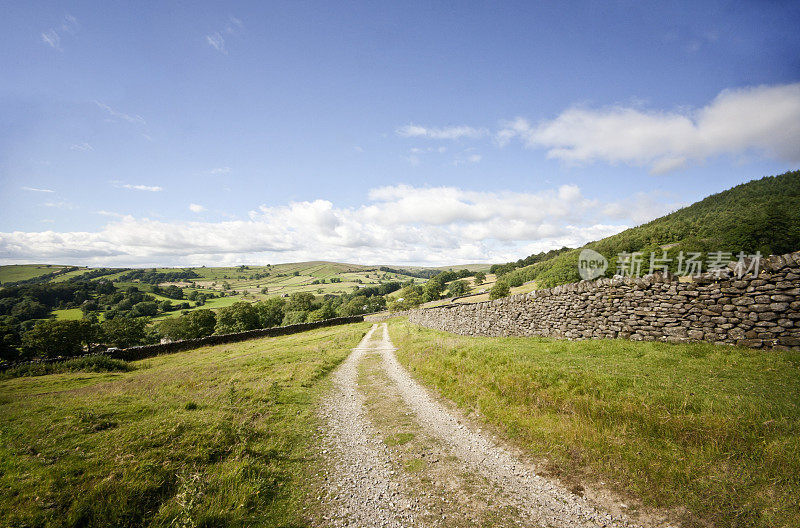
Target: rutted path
<point x="400" y="458"/>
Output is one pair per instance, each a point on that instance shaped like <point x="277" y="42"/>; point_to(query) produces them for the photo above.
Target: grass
<point x="714" y="429"/>
<point x="85" y="364"/>
<point x="219" y="436"/>
<point x="18" y="272"/>
<point x="70" y="314"/>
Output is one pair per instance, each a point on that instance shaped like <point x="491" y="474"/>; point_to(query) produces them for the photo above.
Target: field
<point x="18" y="272"/>
<point x="218" y="436"/>
<point x="714" y="429"/>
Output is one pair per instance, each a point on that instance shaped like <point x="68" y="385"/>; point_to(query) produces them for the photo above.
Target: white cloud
<point x="85" y="147"/>
<point x="136" y="119"/>
<point x="764" y="119"/>
<point x="149" y="188"/>
<point x="34" y="189"/>
<point x="60" y="205"/>
<point x="221" y="170"/>
<point x="196" y="208"/>
<point x="217" y="41"/>
<point x="642" y="207"/>
<point x="395" y="224"/>
<point x="452" y="132"/>
<point x="52" y="37"/>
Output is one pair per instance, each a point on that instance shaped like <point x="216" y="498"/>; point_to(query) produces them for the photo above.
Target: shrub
<point x="499" y="290"/>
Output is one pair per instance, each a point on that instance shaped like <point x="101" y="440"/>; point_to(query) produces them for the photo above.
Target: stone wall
<point x="762" y="311"/>
<point x="378" y="317"/>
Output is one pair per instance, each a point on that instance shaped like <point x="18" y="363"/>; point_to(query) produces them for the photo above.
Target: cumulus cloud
<point x="452" y="132"/>
<point x="196" y="208"/>
<point x="395" y="224"/>
<point x="764" y="119"/>
<point x="148" y="188"/>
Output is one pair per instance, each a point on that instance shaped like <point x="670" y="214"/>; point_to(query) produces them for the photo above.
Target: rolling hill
<point x="759" y="216"/>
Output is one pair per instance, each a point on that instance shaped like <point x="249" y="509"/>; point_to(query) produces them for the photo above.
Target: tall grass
<point x="219" y="436"/>
<point x="713" y="428"/>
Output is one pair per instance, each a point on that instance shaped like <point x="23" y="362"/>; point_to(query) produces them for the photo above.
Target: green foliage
<point x="270" y="311"/>
<point x="499" y="290"/>
<point x="456" y="288"/>
<point x="762" y="215"/>
<point x="326" y="311"/>
<point x="238" y="317"/>
<point x="294" y="317"/>
<point x="58" y="338"/>
<point x="480" y="278"/>
<point x="123" y="332"/>
<point x="300" y="301"/>
<point x="198" y="323"/>
<point x="97" y="363"/>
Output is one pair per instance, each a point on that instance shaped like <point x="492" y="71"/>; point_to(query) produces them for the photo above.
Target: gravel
<point x="365" y="490"/>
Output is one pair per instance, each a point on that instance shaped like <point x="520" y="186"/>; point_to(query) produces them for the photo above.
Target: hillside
<point x="758" y="216"/>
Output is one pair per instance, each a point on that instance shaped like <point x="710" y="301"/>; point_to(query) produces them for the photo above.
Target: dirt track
<point x="399" y="457"/>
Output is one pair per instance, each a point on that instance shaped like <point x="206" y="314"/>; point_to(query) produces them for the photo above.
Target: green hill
<point x="761" y="215"/>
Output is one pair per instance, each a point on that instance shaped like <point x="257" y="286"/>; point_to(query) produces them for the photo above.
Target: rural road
<point x="398" y="457"/>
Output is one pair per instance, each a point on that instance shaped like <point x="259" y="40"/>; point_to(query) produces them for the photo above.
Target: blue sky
<point x="156" y="133"/>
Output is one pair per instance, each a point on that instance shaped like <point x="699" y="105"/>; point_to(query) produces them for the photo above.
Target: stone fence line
<point x="756" y="311"/>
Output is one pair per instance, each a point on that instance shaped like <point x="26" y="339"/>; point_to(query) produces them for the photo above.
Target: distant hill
<point x="761" y="215"/>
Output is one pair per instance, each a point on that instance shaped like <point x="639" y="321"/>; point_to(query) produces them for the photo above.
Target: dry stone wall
<point x="756" y="311"/>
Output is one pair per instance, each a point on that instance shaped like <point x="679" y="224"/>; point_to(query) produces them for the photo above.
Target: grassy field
<point x="71" y="314"/>
<point x="18" y="272"/>
<point x="219" y="436"/>
<point x="713" y="428"/>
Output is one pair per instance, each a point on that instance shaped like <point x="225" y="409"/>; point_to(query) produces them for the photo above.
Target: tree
<point x="270" y="311"/>
<point x="201" y="323"/>
<point x="145" y="308"/>
<point x="124" y="332"/>
<point x="9" y="342"/>
<point x="356" y="305"/>
<point x="326" y="311"/>
<point x="165" y="306"/>
<point x="238" y="317"/>
<point x="457" y="288"/>
<point x="300" y="301"/>
<point x="294" y="317"/>
<point x="58" y="338"/>
<point x="480" y="278"/>
<point x="433" y="290"/>
<point x="500" y="289"/>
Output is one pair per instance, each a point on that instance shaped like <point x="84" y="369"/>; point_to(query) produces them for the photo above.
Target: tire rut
<point x="477" y="481"/>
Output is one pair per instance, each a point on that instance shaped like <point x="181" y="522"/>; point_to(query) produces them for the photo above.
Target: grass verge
<point x="219" y="436"/>
<point x="713" y="429"/>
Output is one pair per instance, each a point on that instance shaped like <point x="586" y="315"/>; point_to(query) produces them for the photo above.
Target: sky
<point x="418" y="133"/>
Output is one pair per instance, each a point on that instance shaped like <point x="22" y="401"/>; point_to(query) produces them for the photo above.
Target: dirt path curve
<point x="371" y="484"/>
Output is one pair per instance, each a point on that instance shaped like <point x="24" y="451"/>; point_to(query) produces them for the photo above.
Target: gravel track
<point x="363" y="488"/>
